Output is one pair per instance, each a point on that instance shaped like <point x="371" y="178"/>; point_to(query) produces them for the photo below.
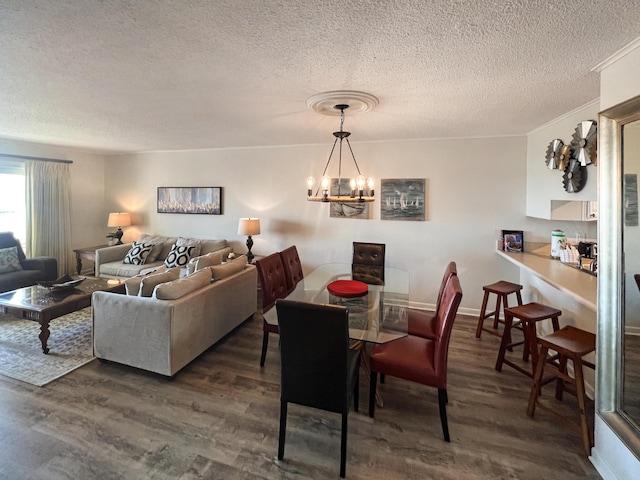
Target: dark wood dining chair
<point x="368" y="263"/>
<point x="423" y="323"/>
<point x="318" y="369"/>
<point x="418" y="359"/>
<point x="273" y="285"/>
<point x="292" y="266"/>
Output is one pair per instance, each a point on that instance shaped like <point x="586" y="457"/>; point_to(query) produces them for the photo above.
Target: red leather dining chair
<point x="292" y="266"/>
<point x="368" y="263"/>
<point x="273" y="285"/>
<point x="318" y="369"/>
<point x="422" y="323"/>
<point x="419" y="359"/>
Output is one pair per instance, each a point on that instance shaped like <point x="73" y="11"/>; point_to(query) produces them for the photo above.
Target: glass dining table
<point x="378" y="316"/>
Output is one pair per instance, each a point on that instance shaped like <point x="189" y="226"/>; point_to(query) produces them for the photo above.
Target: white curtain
<point x="48" y="206"/>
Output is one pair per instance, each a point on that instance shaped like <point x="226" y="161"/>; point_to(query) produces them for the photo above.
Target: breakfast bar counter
<point x="580" y="285"/>
<point x="549" y="281"/>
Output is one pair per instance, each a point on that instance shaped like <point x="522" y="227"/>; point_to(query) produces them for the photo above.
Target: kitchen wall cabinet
<point x="585" y="211"/>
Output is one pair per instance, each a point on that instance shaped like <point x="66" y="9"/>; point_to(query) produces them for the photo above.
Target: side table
<point x="86" y="253"/>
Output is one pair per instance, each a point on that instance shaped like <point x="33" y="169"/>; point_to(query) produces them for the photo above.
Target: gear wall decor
<point x="584" y="142"/>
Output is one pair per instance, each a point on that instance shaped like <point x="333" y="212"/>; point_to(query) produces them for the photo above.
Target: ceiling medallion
<point x="360" y="189"/>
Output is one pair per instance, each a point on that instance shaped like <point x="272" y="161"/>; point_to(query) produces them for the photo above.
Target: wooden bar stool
<point x="527" y="316"/>
<point x="502" y="290"/>
<point x="571" y="344"/>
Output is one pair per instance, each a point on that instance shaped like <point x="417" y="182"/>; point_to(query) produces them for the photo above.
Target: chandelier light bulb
<point x="310" y="182"/>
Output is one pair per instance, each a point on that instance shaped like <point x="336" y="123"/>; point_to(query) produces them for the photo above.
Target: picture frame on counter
<point x="513" y="241"/>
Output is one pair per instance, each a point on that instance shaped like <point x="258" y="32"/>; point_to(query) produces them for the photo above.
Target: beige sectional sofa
<point x="109" y="261"/>
<point x="181" y="319"/>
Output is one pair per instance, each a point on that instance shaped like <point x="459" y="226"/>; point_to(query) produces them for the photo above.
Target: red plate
<point x="348" y="288"/>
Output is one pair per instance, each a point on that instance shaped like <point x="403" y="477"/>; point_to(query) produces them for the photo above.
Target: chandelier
<point x="360" y="189"/>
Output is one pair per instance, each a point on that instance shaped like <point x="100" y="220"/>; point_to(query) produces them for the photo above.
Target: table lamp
<point x="249" y="226"/>
<point x="119" y="219"/>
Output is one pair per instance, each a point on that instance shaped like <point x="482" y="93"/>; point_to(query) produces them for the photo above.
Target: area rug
<point x="21" y="354"/>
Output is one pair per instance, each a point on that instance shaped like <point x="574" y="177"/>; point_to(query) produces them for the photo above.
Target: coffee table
<point x="42" y="304"/>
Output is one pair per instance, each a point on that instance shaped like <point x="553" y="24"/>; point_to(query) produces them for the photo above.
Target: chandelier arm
<point x="327" y="165"/>
<point x="340" y="164"/>
<point x="353" y="156"/>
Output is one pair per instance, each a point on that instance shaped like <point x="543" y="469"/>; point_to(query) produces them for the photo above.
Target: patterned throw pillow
<point x="179" y="256"/>
<point x="138" y="253"/>
<point x="9" y="261"/>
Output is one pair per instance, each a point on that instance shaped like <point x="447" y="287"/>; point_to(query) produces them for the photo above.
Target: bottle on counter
<point x="558" y="239"/>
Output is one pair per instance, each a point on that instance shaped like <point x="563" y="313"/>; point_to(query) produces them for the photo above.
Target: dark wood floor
<point x="219" y="419"/>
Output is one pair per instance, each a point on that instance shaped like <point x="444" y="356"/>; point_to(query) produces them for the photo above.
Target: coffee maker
<point x="588" y="256"/>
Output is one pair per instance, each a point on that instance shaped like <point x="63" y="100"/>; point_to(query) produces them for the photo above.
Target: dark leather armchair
<point x="368" y="263"/>
<point x="422" y="323"/>
<point x="418" y="359"/>
<point x="292" y="266"/>
<point x="34" y="270"/>
<point x="317" y="367"/>
<point x="273" y="285"/>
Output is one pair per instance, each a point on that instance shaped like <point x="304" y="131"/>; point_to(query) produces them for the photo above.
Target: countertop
<point x="582" y="286"/>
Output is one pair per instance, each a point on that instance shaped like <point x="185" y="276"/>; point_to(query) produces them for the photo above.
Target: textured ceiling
<point x="162" y="75"/>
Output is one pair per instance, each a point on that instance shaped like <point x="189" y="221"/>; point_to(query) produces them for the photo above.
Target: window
<point x="13" y="216"/>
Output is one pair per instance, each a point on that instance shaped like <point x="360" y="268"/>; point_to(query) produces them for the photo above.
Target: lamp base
<point x="118" y="235"/>
<point x="249" y="245"/>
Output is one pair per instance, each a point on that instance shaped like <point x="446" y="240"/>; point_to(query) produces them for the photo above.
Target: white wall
<point x="475" y="188"/>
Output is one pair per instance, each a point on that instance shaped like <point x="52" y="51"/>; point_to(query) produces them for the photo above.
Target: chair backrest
<point x="273" y="282"/>
<point x="7" y="240"/>
<point x="444" y="325"/>
<point x="292" y="266"/>
<point x="368" y="263"/>
<point x="451" y="270"/>
<point x="314" y="345"/>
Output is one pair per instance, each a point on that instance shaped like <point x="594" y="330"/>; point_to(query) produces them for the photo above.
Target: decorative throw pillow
<point x="190" y="242"/>
<point x="138" y="253"/>
<point x="9" y="261"/>
<point x="179" y="256"/>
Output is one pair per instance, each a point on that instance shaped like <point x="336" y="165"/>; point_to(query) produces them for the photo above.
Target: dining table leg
<point x="364" y="365"/>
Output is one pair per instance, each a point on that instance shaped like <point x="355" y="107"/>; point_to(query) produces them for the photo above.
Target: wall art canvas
<point x="346" y="210"/>
<point x="402" y="199"/>
<point x="630" y="200"/>
<point x="202" y="200"/>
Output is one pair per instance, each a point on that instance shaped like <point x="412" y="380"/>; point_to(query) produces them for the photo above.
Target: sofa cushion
<point x="138" y="253"/>
<point x="182" y="286"/>
<point x="149" y="282"/>
<point x="132" y="284"/>
<point x="230" y="268"/>
<point x="208" y="260"/>
<point x="9" y="261"/>
<point x="179" y="256"/>
<point x="209" y="246"/>
<point x="158" y="244"/>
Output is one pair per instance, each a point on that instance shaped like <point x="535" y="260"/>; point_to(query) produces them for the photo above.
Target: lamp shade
<point x="119" y="219"/>
<point x="249" y="226"/>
